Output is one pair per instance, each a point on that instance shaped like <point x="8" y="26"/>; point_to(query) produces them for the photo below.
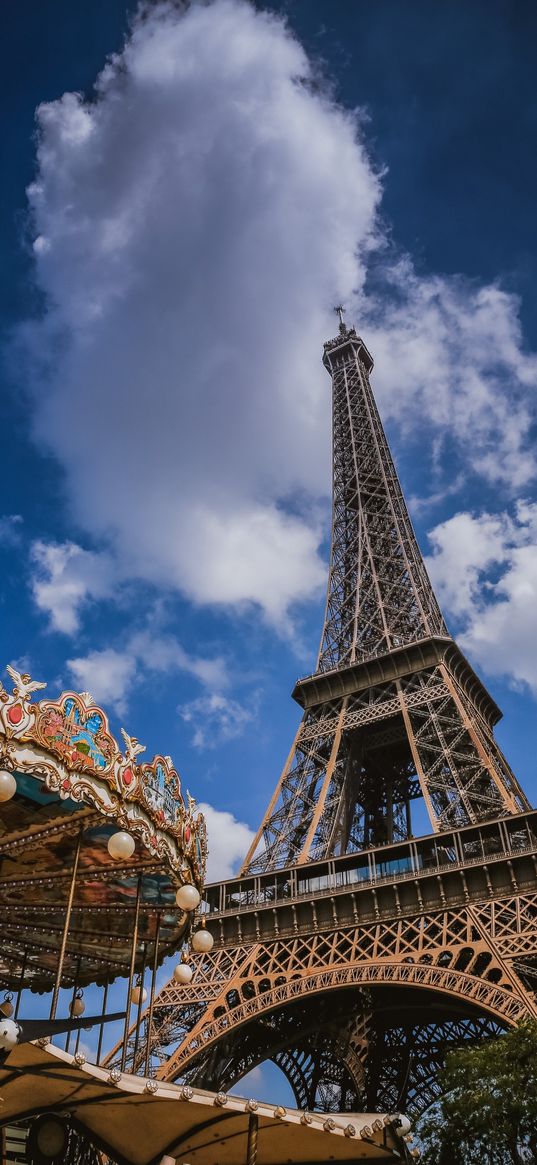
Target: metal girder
<point x="353" y="981"/>
<point x="386" y="658"/>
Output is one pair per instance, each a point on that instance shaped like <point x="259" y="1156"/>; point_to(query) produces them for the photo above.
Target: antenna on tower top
<point x="341" y="312"/>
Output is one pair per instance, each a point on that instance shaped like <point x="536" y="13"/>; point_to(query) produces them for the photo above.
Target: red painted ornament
<point x="66" y="784"/>
<point x="187" y="833"/>
<point x="128" y="776"/>
<point x="15" y="714"/>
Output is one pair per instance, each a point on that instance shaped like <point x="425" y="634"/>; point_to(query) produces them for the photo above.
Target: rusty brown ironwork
<point x="348" y="951"/>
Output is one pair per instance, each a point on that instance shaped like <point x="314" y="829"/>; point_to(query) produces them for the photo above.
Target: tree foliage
<point x="488" y="1111"/>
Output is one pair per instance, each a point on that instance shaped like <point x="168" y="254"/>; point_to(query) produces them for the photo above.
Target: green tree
<point x="487" y="1113"/>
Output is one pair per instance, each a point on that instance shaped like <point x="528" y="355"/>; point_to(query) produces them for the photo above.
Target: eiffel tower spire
<point x="394" y="712"/>
<point x="379" y="594"/>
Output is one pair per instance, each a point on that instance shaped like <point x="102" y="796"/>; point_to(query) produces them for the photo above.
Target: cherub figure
<point x="24" y="684"/>
<point x="132" y="748"/>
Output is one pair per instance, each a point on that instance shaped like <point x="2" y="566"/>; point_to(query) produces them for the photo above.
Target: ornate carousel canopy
<point x="94" y="845"/>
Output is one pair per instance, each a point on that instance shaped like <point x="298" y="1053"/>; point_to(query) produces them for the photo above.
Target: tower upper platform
<point x="346" y="340"/>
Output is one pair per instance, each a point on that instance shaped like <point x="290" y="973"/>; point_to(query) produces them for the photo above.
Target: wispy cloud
<point x="215" y="719"/>
<point x="484" y="568"/>
<point x="110" y="674"/>
<point x="65" y="577"/>
<point x="10" y="529"/>
<point x="450" y="363"/>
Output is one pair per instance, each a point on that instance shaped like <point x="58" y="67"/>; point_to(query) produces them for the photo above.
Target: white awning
<point x="138" y="1121"/>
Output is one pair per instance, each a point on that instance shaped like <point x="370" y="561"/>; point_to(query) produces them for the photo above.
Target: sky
<point x="187" y="193"/>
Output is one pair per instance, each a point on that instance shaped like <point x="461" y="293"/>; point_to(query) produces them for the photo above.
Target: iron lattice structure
<point x="346" y="951"/>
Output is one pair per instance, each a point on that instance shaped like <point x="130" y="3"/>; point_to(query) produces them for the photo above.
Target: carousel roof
<point x="75" y="787"/>
<point x="137" y="1121"/>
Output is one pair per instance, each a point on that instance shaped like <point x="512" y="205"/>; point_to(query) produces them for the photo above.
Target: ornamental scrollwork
<point x="67" y="744"/>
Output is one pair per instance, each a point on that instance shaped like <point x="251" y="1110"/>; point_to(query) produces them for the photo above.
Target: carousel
<point x="102" y="871"/>
<point x="102" y="877"/>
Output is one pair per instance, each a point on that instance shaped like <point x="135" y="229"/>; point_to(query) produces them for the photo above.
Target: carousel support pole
<point x="139" y="1008"/>
<point x="251" y="1148"/>
<point x="152" y="998"/>
<point x="63" y="946"/>
<point x="131" y="972"/>
<point x="75" y="985"/>
<point x="21" y="984"/>
<point x="101" y="1028"/>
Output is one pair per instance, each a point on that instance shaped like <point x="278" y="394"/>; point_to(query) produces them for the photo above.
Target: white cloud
<point x="166" y="654"/>
<point x="215" y="718"/>
<point x="229" y="842"/>
<point x="450" y="354"/>
<point x="484" y="568"/>
<point x="10" y="529"/>
<point x="200" y="216"/>
<point x="110" y="674"/>
<point x="107" y="674"/>
<point x="65" y="577"/>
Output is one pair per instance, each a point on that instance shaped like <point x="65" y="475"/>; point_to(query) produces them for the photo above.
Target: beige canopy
<point x="140" y="1121"/>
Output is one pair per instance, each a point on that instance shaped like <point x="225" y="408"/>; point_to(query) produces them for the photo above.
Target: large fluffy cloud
<point x="194" y="222"/>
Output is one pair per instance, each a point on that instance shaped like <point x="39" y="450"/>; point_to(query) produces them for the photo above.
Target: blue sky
<point x="166" y="437"/>
<point x="172" y="245"/>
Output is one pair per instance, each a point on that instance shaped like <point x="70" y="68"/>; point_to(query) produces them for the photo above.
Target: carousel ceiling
<point x="140" y="1121"/>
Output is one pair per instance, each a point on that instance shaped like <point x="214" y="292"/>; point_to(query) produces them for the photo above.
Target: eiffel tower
<point x="348" y="951"/>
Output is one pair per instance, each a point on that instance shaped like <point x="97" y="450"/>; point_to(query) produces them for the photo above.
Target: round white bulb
<point x="78" y="1007"/>
<point x="9" y="1034"/>
<point x="138" y="993"/>
<point x="202" y="941"/>
<point x="187" y="897"/>
<point x="8" y="785"/>
<point x="121" y="845"/>
<point x="183" y="973"/>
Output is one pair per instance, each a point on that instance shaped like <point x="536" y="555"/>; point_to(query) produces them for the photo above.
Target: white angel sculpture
<point x="24" y="684"/>
<point x="132" y="747"/>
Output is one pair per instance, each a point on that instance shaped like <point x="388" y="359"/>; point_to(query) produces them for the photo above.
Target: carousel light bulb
<point x="138" y="993"/>
<point x="8" y="785"/>
<point x="183" y="973"/>
<point x="9" y="1034"/>
<point x="78" y="1006"/>
<point x="187" y="897"/>
<point x="202" y="941"/>
<point x="121" y="845"/>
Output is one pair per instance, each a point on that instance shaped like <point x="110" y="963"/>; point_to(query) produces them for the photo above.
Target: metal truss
<point x="329" y="1007"/>
<point x="357" y="764"/>
<point x="346" y="786"/>
<point x="356" y="982"/>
